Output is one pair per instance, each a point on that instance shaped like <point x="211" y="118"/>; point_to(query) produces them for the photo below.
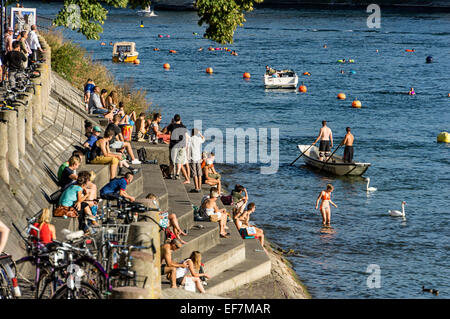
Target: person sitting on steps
<point x="169" y="268"/>
<point x="193" y="263"/>
<point x="117" y="187"/>
<point x="118" y="142"/>
<point x="209" y="208"/>
<point x="242" y="221"/>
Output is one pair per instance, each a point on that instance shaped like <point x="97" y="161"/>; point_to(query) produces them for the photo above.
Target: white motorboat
<point x="284" y="79"/>
<point x="148" y="12"/>
<point x="335" y="165"/>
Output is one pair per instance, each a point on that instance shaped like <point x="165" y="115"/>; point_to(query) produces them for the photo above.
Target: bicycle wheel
<point x="25" y="272"/>
<point x="84" y="291"/>
<point x="6" y="291"/>
<point x="94" y="274"/>
<point x="47" y="285"/>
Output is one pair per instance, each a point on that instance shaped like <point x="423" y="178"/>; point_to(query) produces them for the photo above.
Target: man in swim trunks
<point x="326" y="141"/>
<point x="170" y="267"/>
<point x="348" y="150"/>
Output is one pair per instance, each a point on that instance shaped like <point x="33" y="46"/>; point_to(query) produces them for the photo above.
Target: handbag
<point x="62" y="211"/>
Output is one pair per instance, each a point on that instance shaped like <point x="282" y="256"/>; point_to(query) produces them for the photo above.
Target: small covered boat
<point x="124" y="52"/>
<point x="284" y="79"/>
<point x="335" y="165"/>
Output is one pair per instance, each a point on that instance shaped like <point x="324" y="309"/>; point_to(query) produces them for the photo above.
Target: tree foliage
<point x="222" y="16"/>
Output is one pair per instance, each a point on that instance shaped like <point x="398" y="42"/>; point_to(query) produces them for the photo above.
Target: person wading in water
<point x="325" y="209"/>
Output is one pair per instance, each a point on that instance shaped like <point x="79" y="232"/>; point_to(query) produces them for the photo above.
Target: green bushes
<point x="75" y="65"/>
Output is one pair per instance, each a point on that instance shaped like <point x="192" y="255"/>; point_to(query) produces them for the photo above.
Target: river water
<point x="393" y="131"/>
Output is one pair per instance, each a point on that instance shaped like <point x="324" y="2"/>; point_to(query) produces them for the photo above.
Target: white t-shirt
<point x="195" y="148"/>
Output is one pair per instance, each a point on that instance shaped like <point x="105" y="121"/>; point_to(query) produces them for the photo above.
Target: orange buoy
<point x="341" y="96"/>
<point x="209" y="70"/>
<point x="306" y="73"/>
<point x="155" y="49"/>
<point x="103" y="43"/>
<point x="356" y="104"/>
<point x="137" y="61"/>
<point x="166" y="66"/>
<point x="410" y="50"/>
<point x="172" y="51"/>
<point x="246" y="75"/>
<point x="302" y="88"/>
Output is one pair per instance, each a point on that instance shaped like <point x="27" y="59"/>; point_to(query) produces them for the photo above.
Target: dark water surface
<point x="395" y="132"/>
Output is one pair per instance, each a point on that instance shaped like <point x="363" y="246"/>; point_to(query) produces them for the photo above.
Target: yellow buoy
<point x="443" y="137"/>
<point x="166" y="66"/>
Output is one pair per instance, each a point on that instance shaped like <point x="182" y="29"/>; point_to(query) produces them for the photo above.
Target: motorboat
<point x="124" y="52"/>
<point x="280" y="79"/>
<point x="147" y="12"/>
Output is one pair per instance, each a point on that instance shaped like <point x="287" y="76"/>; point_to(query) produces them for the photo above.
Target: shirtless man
<point x="326" y="141"/>
<point x="170" y="267"/>
<point x="348" y="150"/>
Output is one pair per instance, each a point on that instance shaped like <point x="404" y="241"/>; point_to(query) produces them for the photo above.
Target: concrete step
<point x="179" y="203"/>
<point x="255" y="266"/>
<point x="154" y="183"/>
<point x="226" y="254"/>
<point x="159" y="152"/>
<point x="200" y="239"/>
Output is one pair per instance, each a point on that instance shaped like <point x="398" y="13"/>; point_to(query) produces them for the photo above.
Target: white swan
<point x="370" y="189"/>
<point x="396" y="213"/>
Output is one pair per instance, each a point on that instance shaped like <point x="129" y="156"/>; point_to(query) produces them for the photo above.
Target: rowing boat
<point x="335" y="165"/>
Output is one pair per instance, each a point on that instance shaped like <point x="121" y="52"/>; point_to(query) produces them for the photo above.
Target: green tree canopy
<point x="221" y="16"/>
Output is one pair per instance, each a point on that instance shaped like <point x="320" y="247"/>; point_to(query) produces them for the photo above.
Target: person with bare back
<point x="348" y="142"/>
<point x="326" y="141"/>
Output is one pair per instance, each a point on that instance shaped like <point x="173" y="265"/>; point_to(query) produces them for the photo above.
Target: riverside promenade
<point x="43" y="134"/>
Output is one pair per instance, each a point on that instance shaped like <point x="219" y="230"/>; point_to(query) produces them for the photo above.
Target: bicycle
<point x="9" y="288"/>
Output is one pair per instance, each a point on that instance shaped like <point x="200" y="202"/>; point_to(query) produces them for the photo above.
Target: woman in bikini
<point x="325" y="209"/>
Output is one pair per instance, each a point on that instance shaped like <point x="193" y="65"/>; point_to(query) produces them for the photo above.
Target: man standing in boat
<point x="348" y="150"/>
<point x="326" y="141"/>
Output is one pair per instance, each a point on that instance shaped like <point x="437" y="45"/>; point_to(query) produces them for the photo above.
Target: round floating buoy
<point x="209" y="70"/>
<point x="160" y="35"/>
<point x="137" y="61"/>
<point x="443" y="137"/>
<point x="155" y="49"/>
<point x="410" y="50"/>
<point x="429" y="59"/>
<point x="110" y="43"/>
<point x="356" y="104"/>
<point x="351" y="61"/>
<point x="103" y="43"/>
<point x="246" y="75"/>
<point x="302" y="88"/>
<point x="306" y="73"/>
<point x="341" y="96"/>
<point x="172" y="51"/>
<point x="166" y="66"/>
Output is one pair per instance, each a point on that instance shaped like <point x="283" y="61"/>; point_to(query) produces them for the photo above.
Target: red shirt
<point x="45" y="234"/>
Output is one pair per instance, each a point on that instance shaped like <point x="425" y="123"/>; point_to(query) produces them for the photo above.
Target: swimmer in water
<point x="324" y="46"/>
<point x="411" y="92"/>
<point x="342" y="72"/>
<point x="325" y="209"/>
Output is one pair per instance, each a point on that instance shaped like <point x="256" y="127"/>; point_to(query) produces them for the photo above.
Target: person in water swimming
<point x="325" y="209"/>
<point x="411" y="92"/>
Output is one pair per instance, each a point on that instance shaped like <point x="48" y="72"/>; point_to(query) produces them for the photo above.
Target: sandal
<point x="224" y="236"/>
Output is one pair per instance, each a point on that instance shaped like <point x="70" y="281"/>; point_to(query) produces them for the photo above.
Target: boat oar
<point x="301" y="154"/>
<point x="331" y="156"/>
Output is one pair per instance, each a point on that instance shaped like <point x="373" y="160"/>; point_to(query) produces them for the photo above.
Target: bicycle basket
<point x="123" y="281"/>
<point x="117" y="233"/>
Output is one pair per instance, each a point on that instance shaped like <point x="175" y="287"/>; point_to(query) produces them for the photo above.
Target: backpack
<point x="227" y="200"/>
<point x="142" y="154"/>
<point x="165" y="170"/>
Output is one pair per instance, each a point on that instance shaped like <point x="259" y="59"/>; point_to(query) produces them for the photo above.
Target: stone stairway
<point x="232" y="262"/>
